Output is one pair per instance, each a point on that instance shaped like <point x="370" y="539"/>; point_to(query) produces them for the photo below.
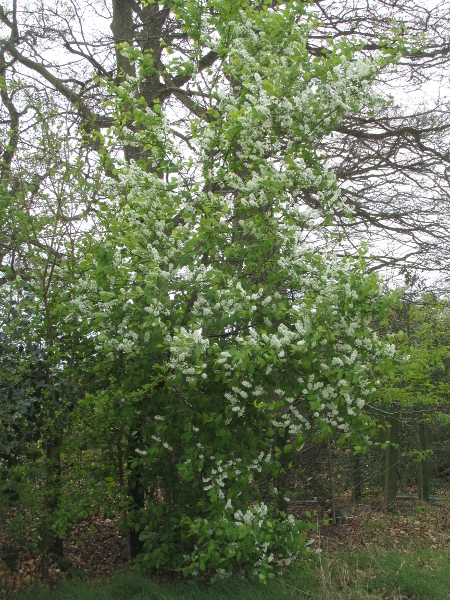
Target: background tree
<point x="42" y="219"/>
<point x="415" y="389"/>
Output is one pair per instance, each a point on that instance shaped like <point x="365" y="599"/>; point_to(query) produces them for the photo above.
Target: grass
<point x="418" y="575"/>
<point x="131" y="586"/>
<point x="422" y="575"/>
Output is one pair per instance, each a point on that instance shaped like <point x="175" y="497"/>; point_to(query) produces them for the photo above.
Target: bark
<point x="423" y="470"/>
<point x="391" y="464"/>
<point x="330" y="475"/>
<point x="122" y="483"/>
<point x="123" y="31"/>
<point x="10" y="148"/>
<point x="136" y="495"/>
<point x="355" y="470"/>
<point x="50" y="543"/>
<point x="281" y="482"/>
<point x="138" y="501"/>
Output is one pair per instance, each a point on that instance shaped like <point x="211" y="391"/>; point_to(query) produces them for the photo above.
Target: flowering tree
<point x="224" y="335"/>
<point x="390" y="160"/>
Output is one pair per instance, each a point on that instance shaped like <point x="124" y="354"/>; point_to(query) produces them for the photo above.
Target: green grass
<point x="131" y="586"/>
<point x="423" y="575"/>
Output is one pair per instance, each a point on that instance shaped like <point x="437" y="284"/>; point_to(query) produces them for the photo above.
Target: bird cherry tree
<point x="226" y="331"/>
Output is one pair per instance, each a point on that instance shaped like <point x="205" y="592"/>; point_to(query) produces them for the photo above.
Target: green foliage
<point x="196" y="339"/>
<point x="421" y="377"/>
<point x="245" y="542"/>
<point x="41" y="352"/>
<point x="415" y="384"/>
<point x="216" y="323"/>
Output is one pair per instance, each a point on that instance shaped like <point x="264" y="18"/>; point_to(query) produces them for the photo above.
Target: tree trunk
<point x="138" y="498"/>
<point x="122" y="484"/>
<point x="50" y="543"/>
<point x="281" y="480"/>
<point x="330" y="475"/>
<point x="123" y="31"/>
<point x="380" y="474"/>
<point x="355" y="470"/>
<point x="391" y="464"/>
<point x="136" y="493"/>
<point x="423" y="465"/>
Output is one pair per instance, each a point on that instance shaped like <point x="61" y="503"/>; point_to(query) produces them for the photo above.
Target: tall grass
<point x="422" y="575"/>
